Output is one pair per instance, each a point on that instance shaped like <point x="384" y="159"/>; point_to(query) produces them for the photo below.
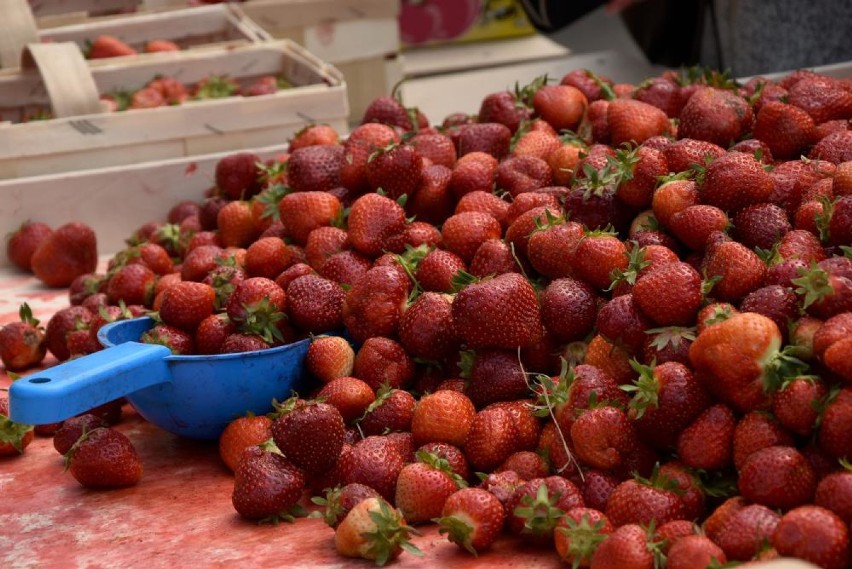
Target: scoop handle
<point x="73" y="387"/>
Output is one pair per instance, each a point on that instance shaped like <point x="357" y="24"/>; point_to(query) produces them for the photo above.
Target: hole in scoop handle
<point x="73" y="387"/>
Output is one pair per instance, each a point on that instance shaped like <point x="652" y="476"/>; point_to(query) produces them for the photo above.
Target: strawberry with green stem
<point x="14" y="436"/>
<point x="24" y="343"/>
<point x="267" y="486"/>
<point x="257" y="306"/>
<point x="535" y="507"/>
<point x="472" y="518"/>
<point x="375" y="530"/>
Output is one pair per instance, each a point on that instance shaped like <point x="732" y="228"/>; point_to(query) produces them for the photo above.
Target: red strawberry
<point x="640" y="170"/>
<point x="23" y="343"/>
<point x="835" y="434"/>
<point x="815" y="535"/>
<point x="645" y="501"/>
<point x="186" y="304"/>
<point x="823" y="98"/>
<point x="795" y="404"/>
<point x="568" y="309"/>
<point x="426" y="329"/>
<point x="315" y="304"/>
<point x="621" y="323"/>
<point x="240" y="434"/>
<point x="578" y="534"/>
<point x="787" y="130"/>
<point x="503" y="107"/>
<point x="682" y="155"/>
<point x="475" y="171"/>
<point x="14" y="437"/>
<point x="535" y="507"/>
<point x="436" y="270"/>
<point x="826" y="287"/>
<point x="472" y="518"/>
<point x="423" y="487"/>
<point x="322" y="243"/>
<point x="373" y="220"/>
<point x="634" y="121"/>
<point x="358" y="147"/>
<point x="329" y="357"/>
<point x="485" y="202"/>
<point x="597" y="256"/>
<point x="346" y="267"/>
<point x="834" y="492"/>
<point x="381" y="361"/>
<point x="397" y="170"/>
<point x="626" y="547"/>
<point x="550" y="248"/>
<point x="734" y="181"/>
<point x="672" y="197"/>
<point x="236" y="224"/>
<point x="746" y="531"/>
<point x="266" y="485"/>
<point x="72" y="429"/>
<point x="708" y="441"/>
<point x="694" y="224"/>
<point x="464" y="232"/>
<point x="774" y="301"/>
<point x="390" y="412"/>
<point x="256" y="307"/>
<point x="388" y="110"/>
<point x="375" y="530"/>
<point x="104" y="458"/>
<point x="694" y="551"/>
<point x="315" y="168"/>
<point x="340" y="500"/>
<point x="267" y="257"/>
<point x="108" y="46"/>
<point x="605" y="438"/>
<point x="520" y="174"/>
<point x="60" y="324"/>
<point x="777" y="477"/>
<point x="237" y="175"/>
<point x="180" y="342"/>
<point x="302" y="212"/>
<point x="313" y="135"/>
<point x="131" y="284"/>
<point x="238" y="342"/>
<point x="374" y="305"/>
<point x="669" y="294"/>
<point x="562" y="106"/>
<point x="738" y="269"/>
<point x="756" y="431"/>
<point x="374" y="462"/>
<point x="443" y="416"/>
<point x="715" y="115"/>
<point x="68" y="252"/>
<point x="24" y="241"/>
<point x="433" y="202"/>
<point x="438" y="148"/>
<point x="502" y="313"/>
<point x="310" y="434"/>
<point x="349" y="394"/>
<point x="491" y="438"/>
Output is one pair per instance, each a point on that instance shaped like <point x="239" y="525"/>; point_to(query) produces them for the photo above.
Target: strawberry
<point x="634" y="121"/>
<point x="186" y="303"/>
<point x="346" y="267"/>
<point x="608" y="357"/>
<point x="502" y="313"/>
<point x="267" y="257"/>
<point x="310" y="434"/>
<point x="523" y="173"/>
<point x="426" y="329"/>
<point x="443" y="416"/>
<point x="302" y="212"/>
<point x="267" y="486"/>
<point x="388" y="110"/>
<point x="550" y="248"/>
<point x="60" y="324"/>
<point x="578" y="534"/>
<point x="527" y="464"/>
<point x="666" y="399"/>
<point x="358" y="147"/>
<point x="485" y="202"/>
<point x="795" y="404"/>
<point x="644" y="501"/>
<point x="24" y="343"/>
<point x="70" y="251"/>
<point x="715" y="115"/>
<point x="488" y="138"/>
<point x="826" y="287"/>
<point x="671" y="197"/>
<point x="433" y="202"/>
<point x="329" y="357"/>
<point x="761" y="225"/>
<point x="437" y="148"/>
<point x="240" y="434"/>
<point x="472" y="518"/>
<point x="474" y="171"/>
<point x="315" y="168"/>
<point x="373" y="220"/>
<point x="669" y="294"/>
<point x="436" y="270"/>
<point x="640" y="170"/>
<point x="755" y="431"/>
<point x="495" y="376"/>
<point x="349" y="395"/>
<point x="562" y="106"/>
<point x="834" y="492"/>
<point x="14" y="437"/>
<point x="823" y="98"/>
<point x="834" y="434"/>
<point x="463" y="233"/>
<point x="375" y="530"/>
<point x="72" y="429"/>
<point x="683" y="154"/>
<point x="108" y="46"/>
<point x="156" y="46"/>
<point x="374" y="305"/>
<point x="147" y="98"/>
<point x="774" y="301"/>
<point x="322" y="243"/>
<point x="777" y="477"/>
<point x="340" y="500"/>
<point x="313" y="135"/>
<point x="131" y="284"/>
<point x="180" y="342"/>
<point x="237" y="175"/>
<point x="734" y="181"/>
<point x="831" y="344"/>
<point x="374" y="462"/>
<point x="813" y="534"/>
<point x="788" y="130"/>
<point x="495" y="257"/>
<point x="503" y="107"/>
<point x="738" y="269"/>
<point x="597" y="256"/>
<point x="423" y="487"/>
<point x="315" y="304"/>
<point x="236" y="225"/>
<point x="746" y="531"/>
<point x="535" y="507"/>
<point x="622" y="323"/>
<point x="626" y="547"/>
<point x="381" y="361"/>
<point x="238" y="342"/>
<point x="390" y="412"/>
<point x="396" y="169"/>
<point x="835" y="222"/>
<point x="568" y="309"/>
<point x="708" y="441"/>
<point x="491" y="438"/>
<point x="104" y="458"/>
<point x="694" y="551"/>
<point x="24" y="241"/>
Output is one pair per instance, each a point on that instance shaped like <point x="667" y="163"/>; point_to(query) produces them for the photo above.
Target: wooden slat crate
<point x="95" y="139"/>
<point x="113" y="201"/>
<point x="360" y="37"/>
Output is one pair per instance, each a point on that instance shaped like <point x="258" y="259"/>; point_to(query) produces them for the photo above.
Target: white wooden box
<point x="99" y="139"/>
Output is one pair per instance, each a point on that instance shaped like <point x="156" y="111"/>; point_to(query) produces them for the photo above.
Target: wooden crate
<point x="92" y="138"/>
<point x="114" y="201"/>
<point x="360" y="37"/>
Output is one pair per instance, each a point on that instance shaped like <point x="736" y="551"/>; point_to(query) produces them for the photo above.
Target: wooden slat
<point x="66" y="77"/>
<point x="18" y="30"/>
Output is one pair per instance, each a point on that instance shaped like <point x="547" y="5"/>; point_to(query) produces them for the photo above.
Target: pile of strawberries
<point x="614" y="320"/>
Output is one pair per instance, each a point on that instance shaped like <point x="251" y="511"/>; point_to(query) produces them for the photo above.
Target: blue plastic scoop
<point x="191" y="396"/>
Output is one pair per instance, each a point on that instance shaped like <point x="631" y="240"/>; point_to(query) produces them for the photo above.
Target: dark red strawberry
<point x="426" y="329"/>
<point x="310" y="434"/>
<point x="644" y="501"/>
<point x="568" y="309"/>
<point x="535" y="507"/>
<point x="813" y="534"/>
<point x="396" y="170"/>
<point x="715" y="115"/>
<point x="104" y="458"/>
<point x="382" y="361"/>
<point x="488" y="137"/>
<point x="373" y="220"/>
<point x="746" y="531"/>
<point x="374" y="462"/>
<point x="23" y="343"/>
<point x="68" y="252"/>
<point x="388" y="110"/>
<point x="237" y="175"/>
<point x="24" y="241"/>
<point x="315" y="304"/>
<point x="835" y="435"/>
<point x="266" y="485"/>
